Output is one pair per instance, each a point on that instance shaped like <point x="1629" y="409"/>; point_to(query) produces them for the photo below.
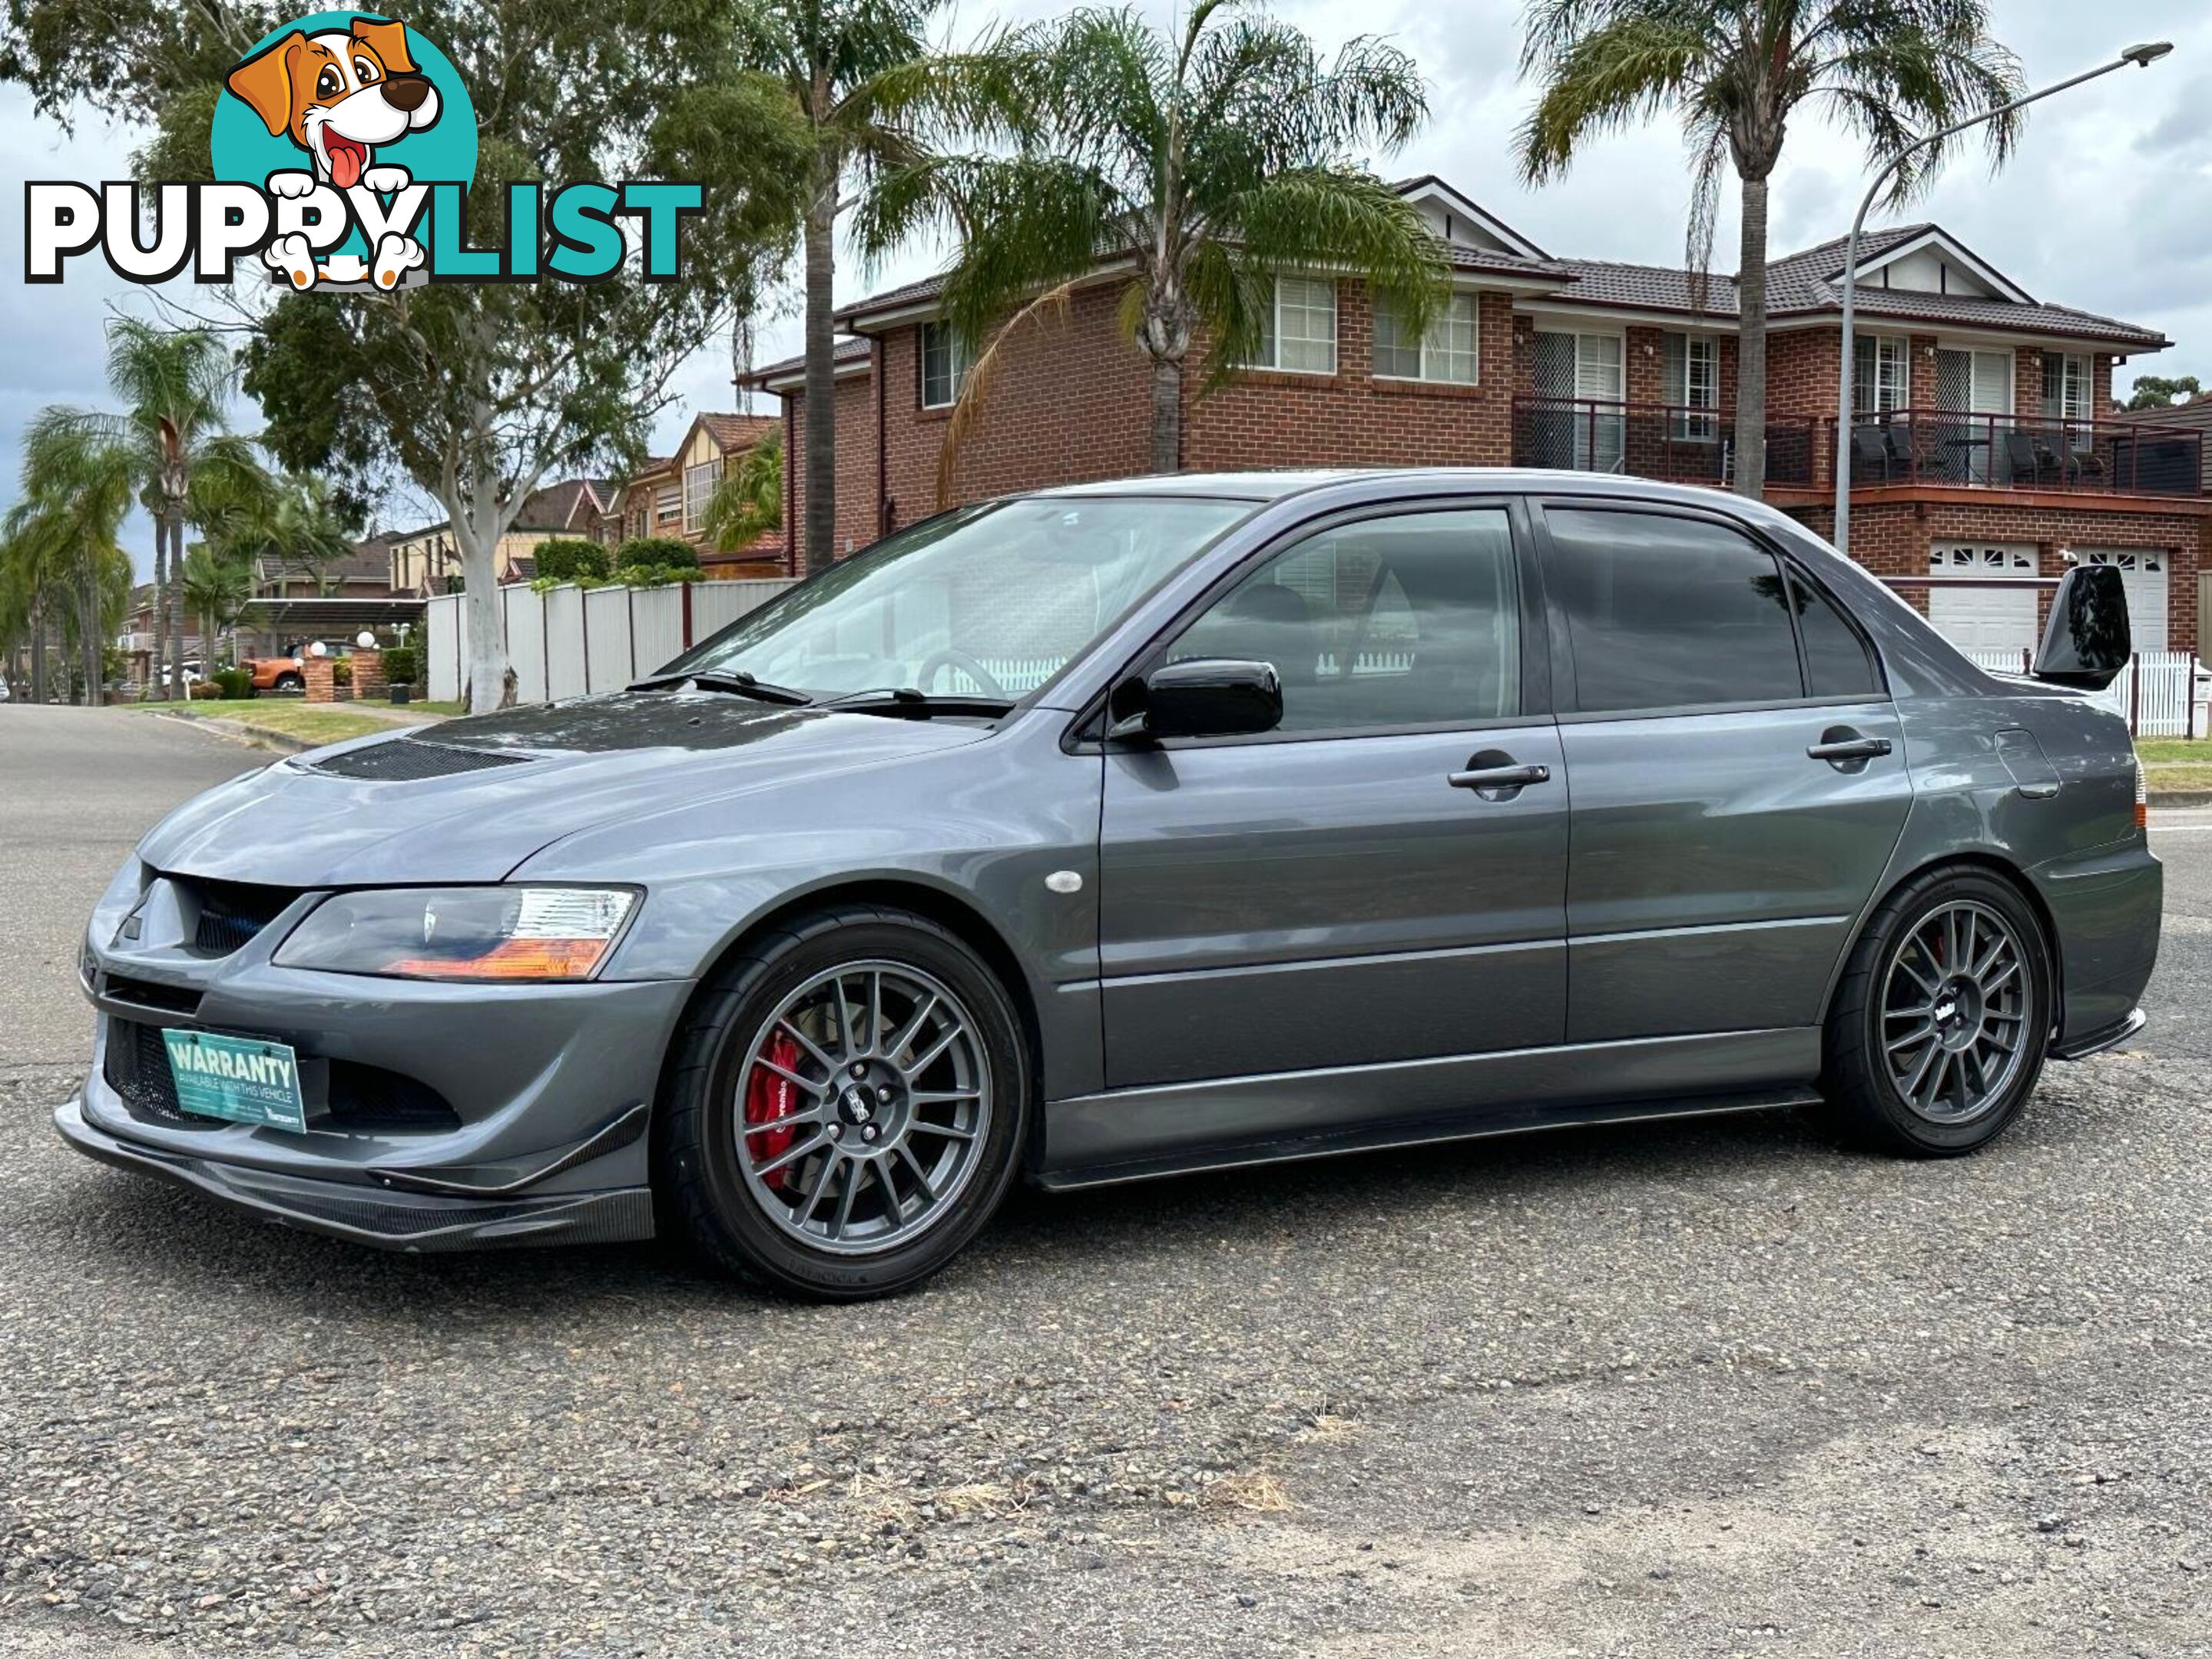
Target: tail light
<point x="768" y="1100"/>
<point x="2142" y="798"/>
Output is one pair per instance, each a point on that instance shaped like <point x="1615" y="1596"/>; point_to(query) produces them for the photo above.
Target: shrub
<point x="656" y="552"/>
<point x="568" y="559"/>
<point x="234" y="683"/>
<point x="205" y="690"/>
<point x="342" y="671"/>
<point x="399" y="665"/>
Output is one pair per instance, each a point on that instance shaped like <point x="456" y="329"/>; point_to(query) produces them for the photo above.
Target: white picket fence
<point x="2156" y="694"/>
<point x="574" y="642"/>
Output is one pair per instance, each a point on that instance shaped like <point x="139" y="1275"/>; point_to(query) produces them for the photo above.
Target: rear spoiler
<point x="2087" y="640"/>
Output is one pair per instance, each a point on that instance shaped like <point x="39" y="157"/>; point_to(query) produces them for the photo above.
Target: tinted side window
<point x="1666" y="612"/>
<point x="1407" y="621"/>
<point x="1836" y="661"/>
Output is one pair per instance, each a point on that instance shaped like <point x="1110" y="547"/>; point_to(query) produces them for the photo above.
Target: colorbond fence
<point x="574" y="642"/>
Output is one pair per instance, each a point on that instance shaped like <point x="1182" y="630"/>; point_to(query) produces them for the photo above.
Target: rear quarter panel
<point x="2078" y="848"/>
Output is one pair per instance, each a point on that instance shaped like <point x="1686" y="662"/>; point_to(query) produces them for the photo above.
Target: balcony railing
<point x="1902" y="447"/>
<point x="1645" y="441"/>
<point x="1946" y="448"/>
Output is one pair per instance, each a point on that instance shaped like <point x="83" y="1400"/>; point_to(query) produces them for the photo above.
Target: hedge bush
<point x="400" y="666"/>
<point x="342" y="671"/>
<point x="656" y="553"/>
<point x="234" y="683"/>
<point x="565" y="559"/>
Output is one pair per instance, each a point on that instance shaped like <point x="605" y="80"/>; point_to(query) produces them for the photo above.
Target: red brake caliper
<point x="769" y="1098"/>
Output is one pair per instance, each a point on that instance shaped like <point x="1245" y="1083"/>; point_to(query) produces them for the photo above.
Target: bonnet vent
<point x="410" y="759"/>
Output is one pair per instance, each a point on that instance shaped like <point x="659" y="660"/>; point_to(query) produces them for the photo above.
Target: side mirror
<point x="2087" y="640"/>
<point x="1204" y="698"/>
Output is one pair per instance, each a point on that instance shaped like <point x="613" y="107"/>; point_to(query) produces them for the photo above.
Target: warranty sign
<point x="239" y="1079"/>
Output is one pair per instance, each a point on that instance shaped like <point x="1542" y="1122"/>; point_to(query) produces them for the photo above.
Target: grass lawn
<point x="2179" y="777"/>
<point x="2156" y="752"/>
<point x="320" y="723"/>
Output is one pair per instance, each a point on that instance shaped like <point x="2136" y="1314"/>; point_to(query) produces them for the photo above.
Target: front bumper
<point x="389" y="1218"/>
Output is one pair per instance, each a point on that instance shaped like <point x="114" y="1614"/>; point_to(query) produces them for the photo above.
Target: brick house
<point x="1981" y="454"/>
<point x="668" y="496"/>
<point x="426" y="562"/>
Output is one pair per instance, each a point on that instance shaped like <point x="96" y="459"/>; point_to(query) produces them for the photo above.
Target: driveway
<point x="1712" y="1388"/>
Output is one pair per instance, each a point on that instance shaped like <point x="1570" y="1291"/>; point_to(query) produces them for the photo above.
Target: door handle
<point x="1851" y="747"/>
<point x="1484" y="778"/>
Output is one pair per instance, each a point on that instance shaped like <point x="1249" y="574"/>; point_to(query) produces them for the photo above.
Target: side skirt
<point x="1132" y="1133"/>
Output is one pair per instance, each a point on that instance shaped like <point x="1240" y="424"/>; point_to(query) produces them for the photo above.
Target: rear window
<point x="1666" y="612"/>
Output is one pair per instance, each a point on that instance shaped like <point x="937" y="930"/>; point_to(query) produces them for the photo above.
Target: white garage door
<point x="1975" y="617"/>
<point x="2143" y="573"/>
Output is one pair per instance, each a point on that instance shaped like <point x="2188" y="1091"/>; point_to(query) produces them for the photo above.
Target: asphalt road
<point x="1710" y="1389"/>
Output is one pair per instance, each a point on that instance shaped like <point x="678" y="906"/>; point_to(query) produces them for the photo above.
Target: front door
<point x="1739" y="776"/>
<point x="1327" y="895"/>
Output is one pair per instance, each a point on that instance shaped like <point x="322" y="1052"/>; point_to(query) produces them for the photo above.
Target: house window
<point x="944" y="364"/>
<point x="699" y="483"/>
<point x="1882" y="378"/>
<point x="1298" y="331"/>
<point x="2066" y="384"/>
<point x="1447" y="353"/>
<point x="1694" y="384"/>
<point x="667" y="507"/>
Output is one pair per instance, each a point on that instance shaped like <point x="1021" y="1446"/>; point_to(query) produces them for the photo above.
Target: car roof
<point x="1261" y="486"/>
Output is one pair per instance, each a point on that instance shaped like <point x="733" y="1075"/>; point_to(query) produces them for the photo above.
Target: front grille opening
<point x="137" y="1069"/>
<point x="410" y="760"/>
<point x="231" y="913"/>
<point x="147" y="994"/>
<point x="369" y="1097"/>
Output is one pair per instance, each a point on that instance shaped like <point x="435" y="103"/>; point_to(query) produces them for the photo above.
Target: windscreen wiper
<point x="906" y="702"/>
<point x="740" y="684"/>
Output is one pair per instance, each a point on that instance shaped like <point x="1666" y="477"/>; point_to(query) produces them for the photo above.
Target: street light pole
<point x="2142" y="57"/>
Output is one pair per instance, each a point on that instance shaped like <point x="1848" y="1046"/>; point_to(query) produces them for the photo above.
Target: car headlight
<point x="497" y="933"/>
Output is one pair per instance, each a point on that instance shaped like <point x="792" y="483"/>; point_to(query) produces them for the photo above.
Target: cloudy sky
<point x="2107" y="206"/>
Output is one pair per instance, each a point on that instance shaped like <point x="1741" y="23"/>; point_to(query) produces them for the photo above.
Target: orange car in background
<point x="275" y="673"/>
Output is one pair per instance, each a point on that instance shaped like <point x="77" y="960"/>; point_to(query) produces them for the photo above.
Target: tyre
<point x="1938" y="1031"/>
<point x="290" y="683"/>
<point x="845" y="1106"/>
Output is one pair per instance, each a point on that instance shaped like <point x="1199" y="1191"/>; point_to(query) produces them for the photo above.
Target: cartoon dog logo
<point x="337" y="95"/>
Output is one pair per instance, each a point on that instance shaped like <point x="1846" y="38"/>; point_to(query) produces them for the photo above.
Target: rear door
<point x="1739" y="773"/>
<point x="1327" y="895"/>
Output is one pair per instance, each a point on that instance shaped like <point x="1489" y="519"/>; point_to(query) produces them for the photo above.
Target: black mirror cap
<point x="1203" y="698"/>
<point x="2087" y="640"/>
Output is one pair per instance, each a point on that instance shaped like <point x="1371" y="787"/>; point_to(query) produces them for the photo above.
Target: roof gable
<point x="1460" y="223"/>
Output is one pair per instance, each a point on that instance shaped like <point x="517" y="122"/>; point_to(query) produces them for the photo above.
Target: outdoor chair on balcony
<point x="1873" y="457"/>
<point x="2030" y="461"/>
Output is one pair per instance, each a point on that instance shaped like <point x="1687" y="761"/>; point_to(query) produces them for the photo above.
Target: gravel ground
<point x="1708" y="1389"/>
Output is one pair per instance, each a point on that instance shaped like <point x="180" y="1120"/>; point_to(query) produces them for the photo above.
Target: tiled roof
<point x="848" y="351"/>
<point x="735" y="432"/>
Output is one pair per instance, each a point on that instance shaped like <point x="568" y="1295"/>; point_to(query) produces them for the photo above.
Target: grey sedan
<point x="1131" y="830"/>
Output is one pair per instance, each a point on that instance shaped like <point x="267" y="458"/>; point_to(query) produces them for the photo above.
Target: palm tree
<point x="749" y="501"/>
<point x="1736" y="71"/>
<point x="217" y="589"/>
<point x="174" y="436"/>
<point x="854" y="75"/>
<point x="1210" y="161"/>
<point x="59" y="548"/>
<point x="295" y="523"/>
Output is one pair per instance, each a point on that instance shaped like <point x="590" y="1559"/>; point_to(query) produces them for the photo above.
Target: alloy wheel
<point x="862" y="1107"/>
<point x="1954" y="1012"/>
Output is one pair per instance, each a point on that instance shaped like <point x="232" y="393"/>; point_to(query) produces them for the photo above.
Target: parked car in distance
<point x="1130" y="830"/>
<point x="278" y="673"/>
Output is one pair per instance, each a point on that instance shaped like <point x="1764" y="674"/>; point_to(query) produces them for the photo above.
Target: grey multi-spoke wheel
<point x="1953" y="1011"/>
<point x="864" y="1107"/>
<point x="845" y="1105"/>
<point x="1937" y="1030"/>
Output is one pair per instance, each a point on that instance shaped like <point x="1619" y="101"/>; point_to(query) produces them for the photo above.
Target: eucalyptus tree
<point x="1736" y="72"/>
<point x="1210" y="160"/>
